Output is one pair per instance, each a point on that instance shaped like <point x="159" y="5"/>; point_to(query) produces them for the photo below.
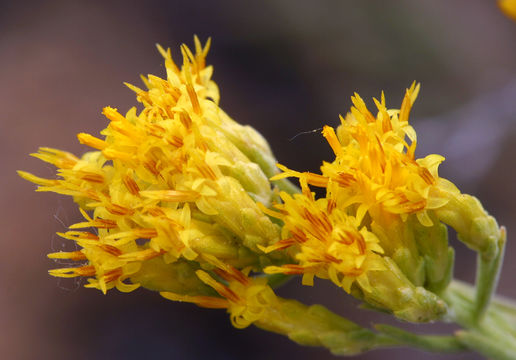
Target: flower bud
<point x="474" y="226"/>
<point x="391" y="290"/>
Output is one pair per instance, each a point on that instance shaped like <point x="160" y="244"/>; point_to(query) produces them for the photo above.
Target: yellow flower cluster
<point x="180" y="199"/>
<point x="172" y="181"/>
<point x="375" y="170"/>
<point x="332" y="243"/>
<point x="376" y="193"/>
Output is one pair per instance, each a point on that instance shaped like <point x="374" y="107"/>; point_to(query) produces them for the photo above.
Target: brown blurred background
<point x="284" y="67"/>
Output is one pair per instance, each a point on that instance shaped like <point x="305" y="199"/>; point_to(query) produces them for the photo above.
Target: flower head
<point x="171" y="181"/>
<point x="361" y="233"/>
<point x="247" y="299"/>
<point x="375" y="168"/>
<point x="325" y="241"/>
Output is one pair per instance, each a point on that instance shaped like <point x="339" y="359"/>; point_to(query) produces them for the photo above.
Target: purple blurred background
<point x="284" y="67"/>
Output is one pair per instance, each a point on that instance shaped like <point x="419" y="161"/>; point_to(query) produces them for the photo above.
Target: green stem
<point x="317" y="326"/>
<point x="487" y="346"/>
<point x="498" y="303"/>
<point x="488" y="272"/>
<point x="494" y="335"/>
<point x="433" y="343"/>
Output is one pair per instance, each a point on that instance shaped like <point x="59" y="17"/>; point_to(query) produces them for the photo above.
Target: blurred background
<point x="283" y="66"/>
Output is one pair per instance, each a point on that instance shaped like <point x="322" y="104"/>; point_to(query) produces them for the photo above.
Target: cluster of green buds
<point x="179" y="198"/>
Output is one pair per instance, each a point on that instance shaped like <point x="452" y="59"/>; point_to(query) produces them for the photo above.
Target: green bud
<point x="178" y="277"/>
<point x="399" y="243"/>
<point x="252" y="179"/>
<point x="432" y="243"/>
<point x="480" y="232"/>
<point x="240" y="215"/>
<point x="238" y="165"/>
<point x="254" y="146"/>
<point x="392" y="291"/>
<point x="250" y="142"/>
<point x="213" y="239"/>
<point x="474" y="226"/>
<point x="413" y="267"/>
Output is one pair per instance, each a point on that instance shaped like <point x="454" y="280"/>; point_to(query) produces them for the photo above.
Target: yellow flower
<point x="247" y="299"/>
<point x="361" y="235"/>
<point x="376" y="177"/>
<point x="325" y="241"/>
<point x="375" y="168"/>
<point x="328" y="242"/>
<point x="508" y="7"/>
<point x="171" y="182"/>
